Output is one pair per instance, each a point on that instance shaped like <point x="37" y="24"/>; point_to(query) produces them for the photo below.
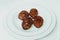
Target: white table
<point x="6" y="5"/>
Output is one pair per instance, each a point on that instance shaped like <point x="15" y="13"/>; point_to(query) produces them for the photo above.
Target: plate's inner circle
<point x="15" y="24"/>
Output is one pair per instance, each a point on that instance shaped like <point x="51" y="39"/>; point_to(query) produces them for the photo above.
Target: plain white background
<point x="6" y="5"/>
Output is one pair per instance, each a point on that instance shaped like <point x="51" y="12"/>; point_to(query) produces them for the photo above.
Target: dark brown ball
<point x="33" y="12"/>
<point x="23" y="14"/>
<point x="26" y="24"/>
<point x="38" y="21"/>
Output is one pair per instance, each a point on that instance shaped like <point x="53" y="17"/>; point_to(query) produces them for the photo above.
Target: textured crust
<point x="33" y="12"/>
<point x="23" y="14"/>
<point x="38" y="21"/>
<point x="26" y="24"/>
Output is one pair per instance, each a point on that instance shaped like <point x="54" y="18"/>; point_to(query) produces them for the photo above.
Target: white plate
<point x="13" y="24"/>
